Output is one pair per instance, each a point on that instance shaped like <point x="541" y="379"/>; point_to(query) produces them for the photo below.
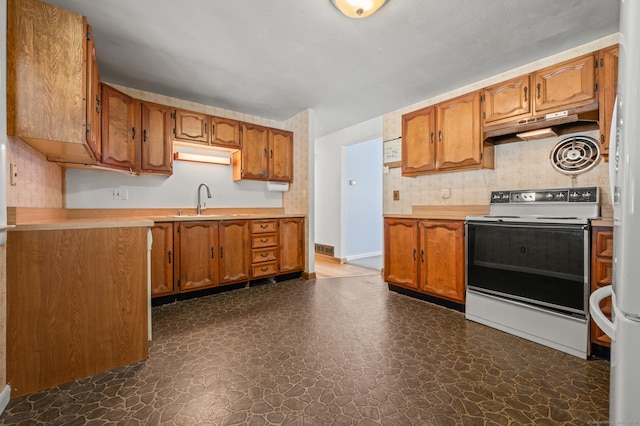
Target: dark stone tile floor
<point x="342" y="351"/>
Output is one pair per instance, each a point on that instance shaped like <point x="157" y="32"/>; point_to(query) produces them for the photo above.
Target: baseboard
<point x="363" y="255"/>
<point x="309" y="275"/>
<point x="327" y="258"/>
<point x="5" y="395"/>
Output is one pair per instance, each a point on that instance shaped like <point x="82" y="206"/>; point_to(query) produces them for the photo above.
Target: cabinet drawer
<point x="263" y="226"/>
<point x="264" y="269"/>
<point x="266" y="255"/>
<point x="264" y="240"/>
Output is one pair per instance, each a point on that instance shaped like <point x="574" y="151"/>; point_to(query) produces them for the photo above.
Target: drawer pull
<point x="264" y="240"/>
<point x="264" y="268"/>
<point x="264" y="254"/>
<point x="264" y="226"/>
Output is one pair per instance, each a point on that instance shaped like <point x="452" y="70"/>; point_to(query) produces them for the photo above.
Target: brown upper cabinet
<point x="608" y="77"/>
<point x="445" y="137"/>
<point x="155" y="152"/>
<point x="265" y="154"/>
<point x="120" y="129"/>
<point x="570" y="84"/>
<point x="44" y="110"/>
<point x="94" y="101"/>
<point x="206" y="130"/>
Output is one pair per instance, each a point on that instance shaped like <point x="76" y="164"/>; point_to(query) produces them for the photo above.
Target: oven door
<point x="542" y="264"/>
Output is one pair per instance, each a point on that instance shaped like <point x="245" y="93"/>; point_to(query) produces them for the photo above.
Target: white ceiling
<point x="276" y="58"/>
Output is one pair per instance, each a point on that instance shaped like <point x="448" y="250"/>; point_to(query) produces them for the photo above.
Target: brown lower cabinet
<point x="601" y="273"/>
<point x="77" y="304"/>
<point x="426" y="256"/>
<point x="194" y="255"/>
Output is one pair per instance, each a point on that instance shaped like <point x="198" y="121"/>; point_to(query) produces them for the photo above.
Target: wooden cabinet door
<point x="46" y="79"/>
<point x="442" y="259"/>
<point x="120" y="129"/>
<point x="191" y="127"/>
<point x="197" y="255"/>
<point x="506" y="101"/>
<point x="608" y="78"/>
<point x="601" y="274"/>
<point x="225" y="132"/>
<point x="418" y="142"/>
<point x="459" y="140"/>
<point x="291" y="241"/>
<point x="569" y="84"/>
<point x="254" y="146"/>
<point x="234" y="251"/>
<point x="94" y="99"/>
<point x="280" y="155"/>
<point x="155" y="155"/>
<point x="401" y="252"/>
<point x="162" y="259"/>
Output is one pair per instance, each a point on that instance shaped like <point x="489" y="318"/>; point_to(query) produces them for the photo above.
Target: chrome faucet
<point x="200" y="207"/>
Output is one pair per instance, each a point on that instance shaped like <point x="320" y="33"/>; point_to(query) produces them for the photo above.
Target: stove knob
<point x="505" y="196"/>
<point x="574" y="195"/>
<point x="560" y="196"/>
<point x="587" y="194"/>
<point x="549" y="196"/>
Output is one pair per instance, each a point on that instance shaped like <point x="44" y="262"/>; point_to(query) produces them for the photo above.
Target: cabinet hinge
<point x="174" y="131"/>
<point x="241" y="127"/>
<point x="178" y="283"/>
<point x="178" y="229"/>
<point x="481" y="155"/>
<point x="601" y="62"/>
<point x="484" y="115"/>
<point x="481" y="98"/>
<point x="88" y="127"/>
<point x="173" y="115"/>
<point x="595" y="87"/>
<point x="595" y="64"/>
<point x="88" y="36"/>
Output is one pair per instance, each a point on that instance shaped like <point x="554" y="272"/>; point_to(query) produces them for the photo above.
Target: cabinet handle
<point x="144" y="135"/>
<point x="212" y="252"/>
<point x="205" y="128"/>
<point x="439" y="135"/>
<point x="169" y="253"/>
<point x="271" y="153"/>
<point x="264" y="240"/>
<point x="422" y="255"/>
<point x="539" y="87"/>
<point x="221" y="252"/>
<point x="265" y="153"/>
<point x="431" y="138"/>
<point x="133" y="133"/>
<point x="264" y="268"/>
<point x="414" y="254"/>
<point x="264" y="226"/>
<point x="526" y="89"/>
<point x="264" y="254"/>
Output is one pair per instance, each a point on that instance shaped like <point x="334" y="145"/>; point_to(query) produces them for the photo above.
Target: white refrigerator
<point x="624" y="166"/>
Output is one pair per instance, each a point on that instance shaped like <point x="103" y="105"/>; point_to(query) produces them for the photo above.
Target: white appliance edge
<point x="624" y="158"/>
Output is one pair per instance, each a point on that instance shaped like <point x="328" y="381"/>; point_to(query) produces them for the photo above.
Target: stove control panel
<point x="565" y="195"/>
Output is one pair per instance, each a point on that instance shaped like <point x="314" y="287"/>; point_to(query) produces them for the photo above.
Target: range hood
<point x="572" y="120"/>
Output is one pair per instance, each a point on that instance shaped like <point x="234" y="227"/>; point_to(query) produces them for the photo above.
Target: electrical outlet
<point x="445" y="192"/>
<point x="120" y="194"/>
<point x="13" y="174"/>
<point x="396" y="195"/>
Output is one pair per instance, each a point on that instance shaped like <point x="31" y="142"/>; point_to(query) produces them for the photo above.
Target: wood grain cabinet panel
<point x="191" y="127"/>
<point x="601" y="274"/>
<point x="507" y="101"/>
<point x="252" y="162"/>
<point x="225" y="132"/>
<point x="291" y="242"/>
<point x="264" y="248"/>
<point x="608" y="78"/>
<point x="156" y="148"/>
<point x="442" y="259"/>
<point x="47" y="93"/>
<point x="459" y="133"/>
<point x="234" y="257"/>
<point x="94" y="99"/>
<point x="162" y="260"/>
<point x="418" y="142"/>
<point x="280" y="156"/>
<point x="120" y="129"/>
<point x="78" y="310"/>
<point x="401" y="252"/>
<point x="196" y="255"/>
<point x="571" y="83"/>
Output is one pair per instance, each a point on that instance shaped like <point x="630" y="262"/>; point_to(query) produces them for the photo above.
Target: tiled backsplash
<point x="39" y="182"/>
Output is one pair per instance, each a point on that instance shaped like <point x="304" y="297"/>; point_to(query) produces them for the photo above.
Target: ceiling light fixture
<point x="358" y="8"/>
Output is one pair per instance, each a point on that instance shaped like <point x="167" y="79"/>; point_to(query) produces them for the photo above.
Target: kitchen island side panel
<point x="76" y="304"/>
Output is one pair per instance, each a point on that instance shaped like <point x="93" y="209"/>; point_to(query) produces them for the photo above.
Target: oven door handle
<point x="530" y="225"/>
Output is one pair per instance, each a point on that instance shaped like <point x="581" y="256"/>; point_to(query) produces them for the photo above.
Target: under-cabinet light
<point x="537" y="134"/>
<point x="201" y="158"/>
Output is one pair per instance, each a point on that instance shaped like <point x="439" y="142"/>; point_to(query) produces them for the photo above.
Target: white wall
<point x="328" y="180"/>
<point x="363" y="198"/>
<point x="88" y="188"/>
